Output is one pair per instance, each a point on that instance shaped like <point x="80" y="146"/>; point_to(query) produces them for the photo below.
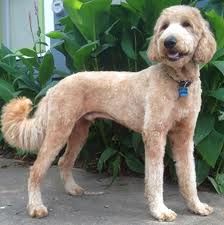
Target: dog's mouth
<point x="174" y="55"/>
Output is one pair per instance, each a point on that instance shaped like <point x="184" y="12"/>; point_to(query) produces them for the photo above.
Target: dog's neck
<point x="189" y="72"/>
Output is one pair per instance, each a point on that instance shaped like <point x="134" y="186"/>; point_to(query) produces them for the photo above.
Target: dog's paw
<point x="74" y="189"/>
<point x="201" y="209"/>
<point x="37" y="211"/>
<point x="164" y="215"/>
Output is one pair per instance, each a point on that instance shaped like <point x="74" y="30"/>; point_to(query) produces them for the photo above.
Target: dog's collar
<point x="182" y="86"/>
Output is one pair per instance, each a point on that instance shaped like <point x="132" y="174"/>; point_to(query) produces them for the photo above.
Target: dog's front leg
<point x="155" y="141"/>
<point x="181" y="138"/>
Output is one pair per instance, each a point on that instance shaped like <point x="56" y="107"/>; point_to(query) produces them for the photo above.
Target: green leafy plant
<point x="26" y="72"/>
<point x="209" y="134"/>
<point x="118" y="42"/>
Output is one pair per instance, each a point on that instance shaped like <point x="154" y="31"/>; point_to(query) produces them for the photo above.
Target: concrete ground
<point x="122" y="204"/>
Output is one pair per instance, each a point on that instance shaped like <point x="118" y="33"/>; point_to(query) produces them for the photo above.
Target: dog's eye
<point x="164" y="26"/>
<point x="186" y="24"/>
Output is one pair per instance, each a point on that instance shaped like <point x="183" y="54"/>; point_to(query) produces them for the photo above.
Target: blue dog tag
<point x="183" y="87"/>
<point x="183" y="91"/>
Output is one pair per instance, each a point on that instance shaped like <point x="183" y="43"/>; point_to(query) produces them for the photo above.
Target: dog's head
<point x="181" y="35"/>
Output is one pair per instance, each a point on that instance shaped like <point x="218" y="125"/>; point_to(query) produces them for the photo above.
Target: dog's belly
<point x="91" y="116"/>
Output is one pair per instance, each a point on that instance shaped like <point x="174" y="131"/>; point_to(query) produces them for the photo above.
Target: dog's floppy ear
<point x="152" y="51"/>
<point x="206" y="46"/>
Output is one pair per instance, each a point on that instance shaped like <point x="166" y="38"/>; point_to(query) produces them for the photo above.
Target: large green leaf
<point x="210" y="148"/>
<point x="7" y="91"/>
<point x="219" y="53"/>
<point x="82" y="54"/>
<point x="220" y="180"/>
<point x="136" y="140"/>
<point x="90" y="17"/>
<point x="73" y="41"/>
<point x="202" y="170"/>
<point x="46" y="68"/>
<point x="4" y="51"/>
<point x="154" y="8"/>
<point x="127" y="45"/>
<point x="214" y="183"/>
<point x="134" y="164"/>
<point x="45" y="89"/>
<point x="28" y="52"/>
<point x="217" y="23"/>
<point x="9" y="69"/>
<point x="137" y="5"/>
<point x="133" y="12"/>
<point x="67" y="23"/>
<point x="100" y="49"/>
<point x="219" y="65"/>
<point x="145" y="57"/>
<point x="116" y="164"/>
<point x="56" y="35"/>
<point x="127" y="15"/>
<point x="218" y="183"/>
<point x="150" y="10"/>
<point x="218" y="94"/>
<point x="30" y="63"/>
<point x="109" y="152"/>
<point x="24" y="82"/>
<point x="204" y="126"/>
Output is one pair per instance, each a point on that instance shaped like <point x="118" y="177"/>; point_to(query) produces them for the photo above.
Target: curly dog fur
<point x="145" y="101"/>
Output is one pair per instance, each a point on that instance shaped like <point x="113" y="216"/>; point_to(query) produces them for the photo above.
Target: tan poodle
<point x="162" y="100"/>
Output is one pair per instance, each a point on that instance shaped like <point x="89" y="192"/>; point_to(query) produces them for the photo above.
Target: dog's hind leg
<point x="56" y="137"/>
<point x="74" y="145"/>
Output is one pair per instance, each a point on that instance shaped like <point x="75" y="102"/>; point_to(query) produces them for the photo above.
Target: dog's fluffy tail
<point x="20" y="130"/>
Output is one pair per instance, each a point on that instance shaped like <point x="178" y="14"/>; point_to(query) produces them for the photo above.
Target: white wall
<point x="117" y="1"/>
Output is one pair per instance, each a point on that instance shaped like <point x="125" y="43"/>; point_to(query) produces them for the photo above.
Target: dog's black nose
<point x="170" y="42"/>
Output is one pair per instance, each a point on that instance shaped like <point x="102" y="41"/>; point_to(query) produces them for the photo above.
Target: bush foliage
<point x="99" y="35"/>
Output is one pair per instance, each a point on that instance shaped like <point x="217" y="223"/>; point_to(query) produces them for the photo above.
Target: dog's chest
<point x="182" y="111"/>
<point x="185" y="106"/>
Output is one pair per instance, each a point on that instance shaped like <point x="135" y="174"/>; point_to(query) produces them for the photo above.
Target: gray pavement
<point x="122" y="204"/>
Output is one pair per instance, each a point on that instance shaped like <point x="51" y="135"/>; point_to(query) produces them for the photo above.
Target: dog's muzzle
<point x="170" y="44"/>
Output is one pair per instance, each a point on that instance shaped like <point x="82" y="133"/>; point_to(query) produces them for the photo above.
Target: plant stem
<point x="101" y="130"/>
<point x="129" y="66"/>
<point x="38" y="31"/>
<point x="214" y="107"/>
<point x="96" y="64"/>
<point x="84" y="66"/>
<point x="220" y="165"/>
<point x="135" y="44"/>
<point x="31" y="29"/>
